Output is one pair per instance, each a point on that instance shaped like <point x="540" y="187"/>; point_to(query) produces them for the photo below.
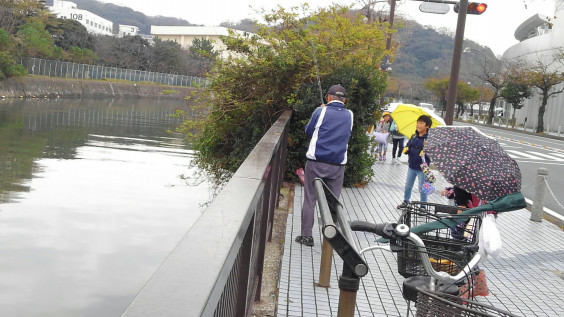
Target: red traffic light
<point x="476" y="8"/>
<point x="473" y="7"/>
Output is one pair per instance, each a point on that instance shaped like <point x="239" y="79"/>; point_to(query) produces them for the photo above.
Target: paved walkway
<point x="527" y="279"/>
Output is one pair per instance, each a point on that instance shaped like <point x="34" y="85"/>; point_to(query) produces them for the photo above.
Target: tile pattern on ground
<point x="526" y="279"/>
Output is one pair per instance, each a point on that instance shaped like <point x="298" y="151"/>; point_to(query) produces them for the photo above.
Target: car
<point x="427" y="105"/>
<point x="392" y="106"/>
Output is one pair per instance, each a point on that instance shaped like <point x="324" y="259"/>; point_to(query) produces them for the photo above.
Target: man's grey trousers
<point x="332" y="176"/>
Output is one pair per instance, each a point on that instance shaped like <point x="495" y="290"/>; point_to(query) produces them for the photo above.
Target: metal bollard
<point x="538" y="202"/>
<point x="559" y="128"/>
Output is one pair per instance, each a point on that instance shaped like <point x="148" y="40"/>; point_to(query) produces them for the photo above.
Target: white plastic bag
<point x="381" y="137"/>
<point x="490" y="240"/>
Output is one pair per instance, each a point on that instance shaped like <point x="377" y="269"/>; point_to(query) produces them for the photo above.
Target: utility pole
<point x="384" y="65"/>
<point x="456" y="55"/>
<point x="392" y="11"/>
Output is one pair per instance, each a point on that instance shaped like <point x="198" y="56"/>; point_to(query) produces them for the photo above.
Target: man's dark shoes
<point x="305" y="240"/>
<point x="403" y="205"/>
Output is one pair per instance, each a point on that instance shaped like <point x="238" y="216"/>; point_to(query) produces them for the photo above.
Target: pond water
<point x="92" y="200"/>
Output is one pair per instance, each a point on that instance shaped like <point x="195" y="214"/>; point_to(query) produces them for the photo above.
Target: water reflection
<point x="91" y="203"/>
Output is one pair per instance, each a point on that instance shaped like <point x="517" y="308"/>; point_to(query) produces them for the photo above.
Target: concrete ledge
<point x="51" y="87"/>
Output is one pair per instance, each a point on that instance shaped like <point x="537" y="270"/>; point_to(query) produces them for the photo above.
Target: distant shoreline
<point x="35" y="87"/>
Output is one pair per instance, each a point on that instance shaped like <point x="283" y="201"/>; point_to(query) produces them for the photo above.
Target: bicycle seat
<point x="411" y="284"/>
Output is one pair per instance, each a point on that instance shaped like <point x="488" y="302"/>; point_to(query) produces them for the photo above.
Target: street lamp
<point x="467" y="50"/>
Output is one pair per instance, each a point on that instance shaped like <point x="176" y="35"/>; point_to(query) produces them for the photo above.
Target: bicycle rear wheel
<point x="430" y="303"/>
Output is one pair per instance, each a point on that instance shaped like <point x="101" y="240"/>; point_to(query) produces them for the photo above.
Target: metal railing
<point x="53" y="68"/>
<point x="338" y="237"/>
<point x="216" y="269"/>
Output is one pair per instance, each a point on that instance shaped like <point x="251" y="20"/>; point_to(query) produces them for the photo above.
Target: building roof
<point x="524" y="30"/>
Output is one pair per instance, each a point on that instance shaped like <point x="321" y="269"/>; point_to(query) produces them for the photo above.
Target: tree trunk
<point x="513" y="120"/>
<point x="542" y="109"/>
<point x="442" y="102"/>
<point x="491" y="110"/>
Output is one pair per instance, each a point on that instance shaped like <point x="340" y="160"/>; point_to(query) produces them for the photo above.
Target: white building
<point x="125" y="30"/>
<point x="540" y="38"/>
<point x="184" y="35"/>
<point x="93" y="23"/>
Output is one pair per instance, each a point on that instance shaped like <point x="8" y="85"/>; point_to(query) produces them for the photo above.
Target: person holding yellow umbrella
<point x="416" y="157"/>
<point x="406" y="116"/>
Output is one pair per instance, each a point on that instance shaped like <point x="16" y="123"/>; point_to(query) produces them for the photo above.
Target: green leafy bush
<point x="8" y="66"/>
<point x="276" y="70"/>
<point x="362" y="85"/>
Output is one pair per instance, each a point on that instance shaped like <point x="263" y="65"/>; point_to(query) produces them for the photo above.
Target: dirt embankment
<point x="50" y="87"/>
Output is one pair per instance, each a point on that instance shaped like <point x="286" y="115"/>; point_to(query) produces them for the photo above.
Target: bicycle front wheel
<point x="436" y="304"/>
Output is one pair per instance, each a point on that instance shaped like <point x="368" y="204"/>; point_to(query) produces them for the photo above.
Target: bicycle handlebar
<point x="402" y="231"/>
<point x="387" y="230"/>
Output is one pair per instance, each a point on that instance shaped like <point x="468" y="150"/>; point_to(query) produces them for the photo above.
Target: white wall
<point x="93" y="23"/>
<point x="125" y="30"/>
<point x="542" y="48"/>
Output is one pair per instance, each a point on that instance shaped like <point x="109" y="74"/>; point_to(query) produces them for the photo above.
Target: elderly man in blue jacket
<point x="329" y="128"/>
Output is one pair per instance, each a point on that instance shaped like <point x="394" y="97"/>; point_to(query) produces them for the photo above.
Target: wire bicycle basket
<point x="430" y="303"/>
<point x="449" y="249"/>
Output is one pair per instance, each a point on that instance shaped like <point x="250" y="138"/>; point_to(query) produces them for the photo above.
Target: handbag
<point x="477" y="284"/>
<point x="381" y="137"/>
<point x="428" y="188"/>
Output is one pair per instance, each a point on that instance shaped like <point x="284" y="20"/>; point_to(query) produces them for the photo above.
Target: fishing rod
<point x="316" y="67"/>
<point x="317" y="71"/>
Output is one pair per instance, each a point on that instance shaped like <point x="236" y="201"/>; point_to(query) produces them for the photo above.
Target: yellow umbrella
<point x="406" y="115"/>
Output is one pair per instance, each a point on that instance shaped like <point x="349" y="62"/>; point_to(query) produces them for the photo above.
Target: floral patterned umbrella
<point x="473" y="161"/>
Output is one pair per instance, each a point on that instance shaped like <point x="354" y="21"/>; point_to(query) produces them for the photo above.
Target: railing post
<point x="325" y="265"/>
<point x="538" y="202"/>
<point x="348" y="285"/>
<point x="354" y="267"/>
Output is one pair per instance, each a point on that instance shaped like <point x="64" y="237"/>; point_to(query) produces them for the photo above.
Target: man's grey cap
<point x="337" y="90"/>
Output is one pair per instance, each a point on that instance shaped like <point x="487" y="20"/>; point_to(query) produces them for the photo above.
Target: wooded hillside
<point x="424" y="51"/>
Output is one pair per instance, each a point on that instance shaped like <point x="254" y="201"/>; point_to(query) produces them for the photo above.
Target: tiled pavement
<point x="527" y="279"/>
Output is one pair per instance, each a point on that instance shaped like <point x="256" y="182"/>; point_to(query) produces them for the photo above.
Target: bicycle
<point x="435" y="263"/>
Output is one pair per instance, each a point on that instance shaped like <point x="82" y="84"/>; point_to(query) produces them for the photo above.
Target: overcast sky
<point x="494" y="28"/>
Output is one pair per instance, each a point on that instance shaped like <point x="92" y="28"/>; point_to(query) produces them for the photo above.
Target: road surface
<point x="532" y="152"/>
